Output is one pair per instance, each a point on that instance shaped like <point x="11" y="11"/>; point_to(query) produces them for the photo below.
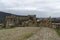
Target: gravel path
<point x="45" y="34"/>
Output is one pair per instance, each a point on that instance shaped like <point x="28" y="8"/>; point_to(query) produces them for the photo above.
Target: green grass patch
<point x="25" y="36"/>
<point x="7" y="27"/>
<point x="58" y="32"/>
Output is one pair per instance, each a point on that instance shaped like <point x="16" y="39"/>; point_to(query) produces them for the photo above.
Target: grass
<point x="18" y="33"/>
<point x="58" y="32"/>
<point x="25" y="36"/>
<point x="7" y="28"/>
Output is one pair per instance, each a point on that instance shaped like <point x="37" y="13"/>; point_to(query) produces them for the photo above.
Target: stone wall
<point x="45" y="23"/>
<point x="20" y="20"/>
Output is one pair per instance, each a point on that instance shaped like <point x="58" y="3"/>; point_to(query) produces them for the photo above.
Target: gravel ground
<point x="16" y="33"/>
<point x="45" y="34"/>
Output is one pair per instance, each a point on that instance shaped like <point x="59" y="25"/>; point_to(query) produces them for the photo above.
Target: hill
<point x="2" y="16"/>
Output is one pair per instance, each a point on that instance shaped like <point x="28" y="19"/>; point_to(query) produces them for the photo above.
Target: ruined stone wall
<point x="10" y="20"/>
<point x="20" y="20"/>
<point x="45" y="22"/>
<point x="33" y="20"/>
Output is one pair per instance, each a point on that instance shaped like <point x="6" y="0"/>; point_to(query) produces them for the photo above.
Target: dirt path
<point x="45" y="34"/>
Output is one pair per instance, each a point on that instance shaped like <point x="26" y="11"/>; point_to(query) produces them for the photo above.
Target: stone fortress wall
<point x="20" y="20"/>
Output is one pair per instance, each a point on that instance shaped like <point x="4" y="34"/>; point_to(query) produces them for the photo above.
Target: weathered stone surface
<point x="20" y="20"/>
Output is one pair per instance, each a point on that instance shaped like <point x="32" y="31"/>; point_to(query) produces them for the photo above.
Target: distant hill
<point x="2" y="16"/>
<point x="4" y="13"/>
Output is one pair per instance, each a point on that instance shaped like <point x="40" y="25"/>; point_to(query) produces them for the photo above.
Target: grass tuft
<point x="25" y="36"/>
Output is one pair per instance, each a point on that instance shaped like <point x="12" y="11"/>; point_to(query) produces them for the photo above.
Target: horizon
<point x="28" y="14"/>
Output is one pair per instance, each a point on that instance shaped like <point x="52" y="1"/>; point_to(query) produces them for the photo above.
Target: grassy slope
<point x="18" y="33"/>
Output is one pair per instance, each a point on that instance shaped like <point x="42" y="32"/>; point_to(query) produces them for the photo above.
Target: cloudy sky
<point x="50" y="7"/>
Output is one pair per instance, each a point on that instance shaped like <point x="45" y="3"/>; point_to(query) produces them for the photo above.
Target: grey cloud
<point x="51" y="7"/>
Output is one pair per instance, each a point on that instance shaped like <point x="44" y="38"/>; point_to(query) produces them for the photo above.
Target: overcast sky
<point x="51" y="7"/>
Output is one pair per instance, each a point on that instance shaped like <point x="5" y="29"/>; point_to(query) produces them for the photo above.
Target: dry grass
<point x="18" y="33"/>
